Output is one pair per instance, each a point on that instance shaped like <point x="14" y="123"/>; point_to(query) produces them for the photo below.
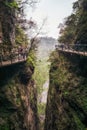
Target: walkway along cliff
<point x="67" y="97"/>
<point x="18" y="97"/>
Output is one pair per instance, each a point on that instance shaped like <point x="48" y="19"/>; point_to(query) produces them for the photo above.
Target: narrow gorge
<point x="43" y="65"/>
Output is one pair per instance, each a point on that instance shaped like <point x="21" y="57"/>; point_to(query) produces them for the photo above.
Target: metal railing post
<point x="1" y="59"/>
<point x="84" y="53"/>
<point x="18" y="54"/>
<point x="11" y="57"/>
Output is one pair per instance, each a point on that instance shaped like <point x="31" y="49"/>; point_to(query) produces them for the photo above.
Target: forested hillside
<point x="74" y="28"/>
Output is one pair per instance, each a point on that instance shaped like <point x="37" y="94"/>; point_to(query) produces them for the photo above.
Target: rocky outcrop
<point x="8" y="20"/>
<point x="18" y="98"/>
<point x="67" y="97"/>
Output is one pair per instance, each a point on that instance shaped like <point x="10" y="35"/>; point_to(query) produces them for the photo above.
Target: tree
<point x="7" y="19"/>
<point x="81" y="31"/>
<point x="75" y="26"/>
<point x="10" y="10"/>
<point x="67" y="30"/>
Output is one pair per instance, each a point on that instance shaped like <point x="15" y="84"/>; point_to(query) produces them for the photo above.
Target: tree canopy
<point x="74" y="28"/>
<point x="13" y="24"/>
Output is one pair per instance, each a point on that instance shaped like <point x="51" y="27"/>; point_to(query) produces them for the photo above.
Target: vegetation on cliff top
<point x="74" y="28"/>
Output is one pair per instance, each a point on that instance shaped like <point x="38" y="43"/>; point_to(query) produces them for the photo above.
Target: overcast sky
<point x="55" y="11"/>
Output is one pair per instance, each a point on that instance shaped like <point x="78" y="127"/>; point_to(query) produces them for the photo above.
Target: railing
<point x="77" y="48"/>
<point x="12" y="56"/>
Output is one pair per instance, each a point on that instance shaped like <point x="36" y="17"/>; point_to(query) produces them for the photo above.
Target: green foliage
<point x="11" y="4"/>
<point x="41" y="74"/>
<point x="68" y="92"/>
<point x="31" y="58"/>
<point x="4" y="127"/>
<point x="74" y="30"/>
<point x="58" y="72"/>
<point x="82" y="29"/>
<point x="68" y="32"/>
<point x="41" y="108"/>
<point x="67" y="95"/>
<point x="21" y="38"/>
<point x="80" y="126"/>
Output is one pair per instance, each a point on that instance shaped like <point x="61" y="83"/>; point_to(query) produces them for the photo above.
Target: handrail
<point x="77" y="49"/>
<point x="15" y="55"/>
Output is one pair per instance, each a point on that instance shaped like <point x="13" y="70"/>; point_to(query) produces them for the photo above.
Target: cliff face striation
<point x="18" y="98"/>
<point x="67" y="97"/>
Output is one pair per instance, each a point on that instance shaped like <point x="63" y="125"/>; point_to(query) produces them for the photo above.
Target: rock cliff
<point x="67" y="97"/>
<point x="18" y="98"/>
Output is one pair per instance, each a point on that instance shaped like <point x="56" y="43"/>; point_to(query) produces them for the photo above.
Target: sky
<point x="54" y="11"/>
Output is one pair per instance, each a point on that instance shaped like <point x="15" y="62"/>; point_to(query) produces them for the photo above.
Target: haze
<point x="55" y="11"/>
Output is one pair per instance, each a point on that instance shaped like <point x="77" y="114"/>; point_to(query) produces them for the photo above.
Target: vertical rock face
<point x="18" y="98"/>
<point x="7" y="18"/>
<point x="67" y="97"/>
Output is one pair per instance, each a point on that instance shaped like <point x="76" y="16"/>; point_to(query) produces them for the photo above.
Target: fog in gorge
<point x="45" y="47"/>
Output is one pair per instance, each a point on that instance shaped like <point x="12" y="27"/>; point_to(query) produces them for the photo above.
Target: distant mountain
<point x="46" y="46"/>
<point x="48" y="39"/>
